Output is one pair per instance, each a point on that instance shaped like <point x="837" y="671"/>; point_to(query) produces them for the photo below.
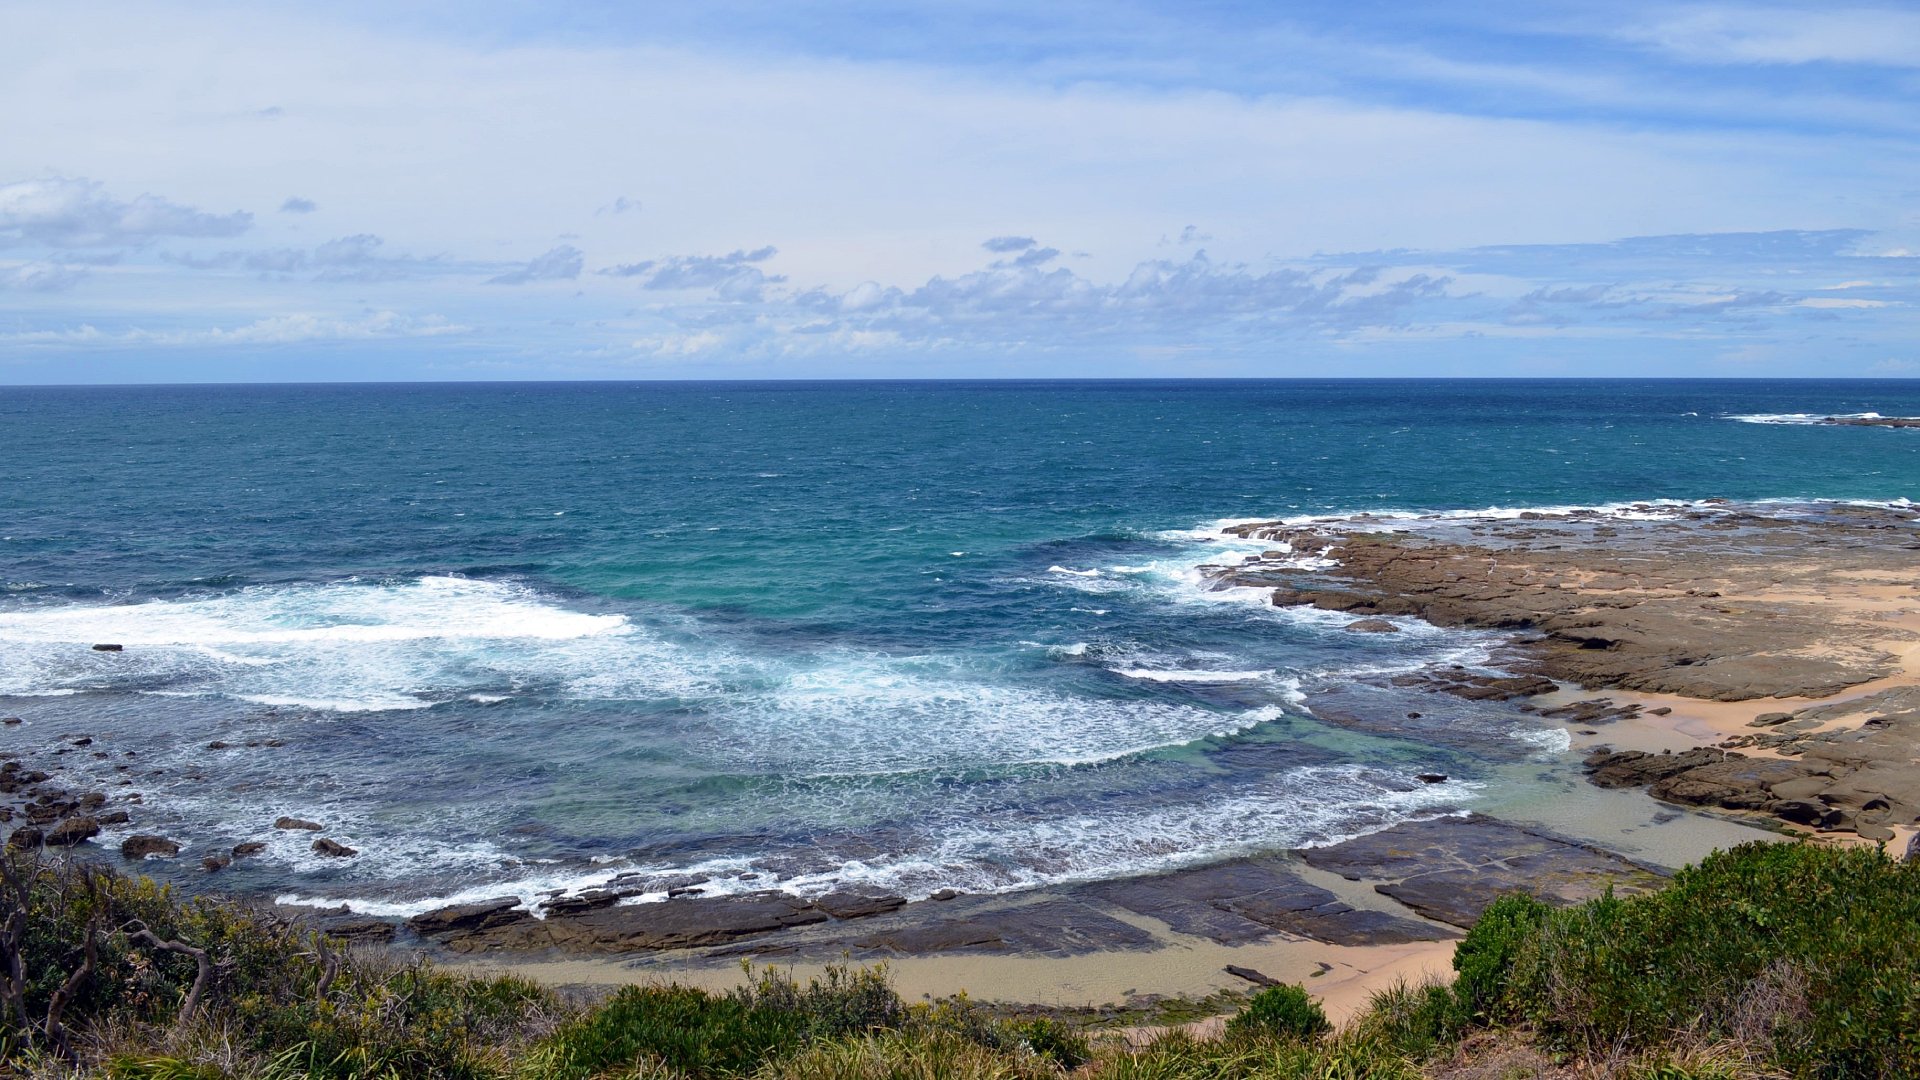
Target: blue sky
<point x="970" y="189"/>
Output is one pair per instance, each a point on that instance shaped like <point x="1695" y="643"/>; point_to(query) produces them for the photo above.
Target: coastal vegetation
<point x="1768" y="960"/>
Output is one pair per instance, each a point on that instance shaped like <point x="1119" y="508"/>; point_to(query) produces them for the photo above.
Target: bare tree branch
<point x="200" y="980"/>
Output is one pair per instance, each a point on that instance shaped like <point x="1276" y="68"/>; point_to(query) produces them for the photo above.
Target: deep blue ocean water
<point x="912" y="635"/>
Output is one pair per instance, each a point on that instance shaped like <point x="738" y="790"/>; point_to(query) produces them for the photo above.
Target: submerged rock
<point x="298" y="823"/>
<point x="328" y="846"/>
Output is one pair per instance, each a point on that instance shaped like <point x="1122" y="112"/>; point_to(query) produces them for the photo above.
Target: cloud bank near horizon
<point x="1540" y="191"/>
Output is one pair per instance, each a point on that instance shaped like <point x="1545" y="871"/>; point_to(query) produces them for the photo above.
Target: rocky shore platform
<point x="1789" y="634"/>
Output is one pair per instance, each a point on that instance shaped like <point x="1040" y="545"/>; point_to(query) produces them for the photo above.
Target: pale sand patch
<point x="1342" y="977"/>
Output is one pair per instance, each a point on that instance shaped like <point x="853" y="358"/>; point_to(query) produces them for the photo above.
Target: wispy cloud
<point x="1771" y="34"/>
<point x="45" y="277"/>
<point x="73" y="212"/>
<point x="559" y="264"/>
<point x="289" y="329"/>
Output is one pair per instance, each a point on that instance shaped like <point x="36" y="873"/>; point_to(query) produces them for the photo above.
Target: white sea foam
<point x="861" y="714"/>
<point x="1551" y="742"/>
<point x="1191" y="676"/>
<point x="983" y="854"/>
<point x="1798" y="419"/>
<point x="347" y="646"/>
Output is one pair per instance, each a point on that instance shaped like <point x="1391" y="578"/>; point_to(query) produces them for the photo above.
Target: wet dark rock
<point x="945" y="894"/>
<point x="1735" y="783"/>
<point x="1477" y="686"/>
<point x="251" y="847"/>
<point x="361" y="929"/>
<point x="11" y="720"/>
<point x="591" y="900"/>
<point x="113" y="817"/>
<point x="104" y="647"/>
<point x="26" y="838"/>
<point x="141" y="845"/>
<point x="668" y="924"/>
<point x="213" y="863"/>
<point x="855" y="905"/>
<point x="1250" y="900"/>
<point x="329" y="846"/>
<point x="1450" y="869"/>
<point x="298" y="823"/>
<point x="1251" y="975"/>
<point x="1371" y="626"/>
<point x="1803" y="812"/>
<point x="1430" y="777"/>
<point x="73" y="831"/>
<point x="470" y="918"/>
<point x="1636" y="768"/>
<point x="1053" y="927"/>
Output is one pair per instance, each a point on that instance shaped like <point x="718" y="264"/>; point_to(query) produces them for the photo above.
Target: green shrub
<point x="1054" y="1041"/>
<point x="688" y="1030"/>
<point x="1280" y="1012"/>
<point x="907" y="1055"/>
<point x="1486" y="958"/>
<point x="1803" y="955"/>
<point x="1415" y="1022"/>
<point x="847" y="1001"/>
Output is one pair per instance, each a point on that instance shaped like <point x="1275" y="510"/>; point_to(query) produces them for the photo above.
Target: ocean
<point x="909" y="636"/>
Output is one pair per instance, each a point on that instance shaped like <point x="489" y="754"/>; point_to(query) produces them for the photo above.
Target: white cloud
<point x="1839" y="303"/>
<point x="72" y="212"/>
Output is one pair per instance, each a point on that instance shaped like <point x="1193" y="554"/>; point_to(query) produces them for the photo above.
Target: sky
<point x="971" y="189"/>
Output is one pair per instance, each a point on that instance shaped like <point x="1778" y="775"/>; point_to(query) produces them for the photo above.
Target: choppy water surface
<point x="799" y="635"/>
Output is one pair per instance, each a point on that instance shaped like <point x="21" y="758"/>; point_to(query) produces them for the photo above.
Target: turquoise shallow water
<point x="916" y="635"/>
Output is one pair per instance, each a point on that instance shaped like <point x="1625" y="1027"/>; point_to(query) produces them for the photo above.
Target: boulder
<point x="335" y="848"/>
<point x="215" y="862"/>
<point x="105" y="647"/>
<point x="251" y="847"/>
<point x="1371" y="626"/>
<point x="141" y="845"/>
<point x="72" y="831"/>
<point x="26" y="838"/>
<point x="298" y="823"/>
